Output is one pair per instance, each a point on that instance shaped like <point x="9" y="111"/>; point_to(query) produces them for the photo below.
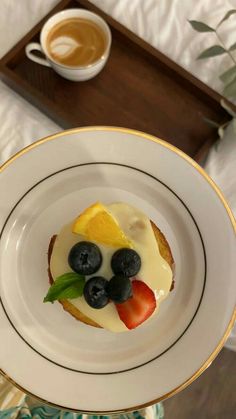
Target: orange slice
<point x="97" y="224"/>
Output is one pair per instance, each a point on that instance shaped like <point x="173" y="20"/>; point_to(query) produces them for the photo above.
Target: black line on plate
<point x="205" y="264"/>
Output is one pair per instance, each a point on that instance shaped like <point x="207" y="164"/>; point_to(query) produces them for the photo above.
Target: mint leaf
<point x="69" y="285"/>
<point x="200" y="26"/>
<point x="211" y="52"/>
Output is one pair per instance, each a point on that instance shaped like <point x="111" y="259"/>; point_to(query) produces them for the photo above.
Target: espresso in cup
<point x="76" y="42"/>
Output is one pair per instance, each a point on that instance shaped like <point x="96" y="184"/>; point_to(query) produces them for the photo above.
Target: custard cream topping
<point x="155" y="271"/>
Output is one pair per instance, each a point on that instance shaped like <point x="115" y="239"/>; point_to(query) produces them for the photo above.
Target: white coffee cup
<point x="79" y="73"/>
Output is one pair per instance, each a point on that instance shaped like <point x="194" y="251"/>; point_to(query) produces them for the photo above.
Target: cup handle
<point x="34" y="46"/>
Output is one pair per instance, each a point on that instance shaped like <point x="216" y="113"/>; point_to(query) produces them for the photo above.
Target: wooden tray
<point x="139" y="88"/>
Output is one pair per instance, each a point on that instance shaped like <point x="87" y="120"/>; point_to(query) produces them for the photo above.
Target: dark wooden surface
<point x="139" y="88"/>
<point x="211" y="396"/>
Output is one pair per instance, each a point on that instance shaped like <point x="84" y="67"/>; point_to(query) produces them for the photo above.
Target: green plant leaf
<point x="211" y="52"/>
<point x="226" y="16"/>
<point x="228" y="75"/>
<point x="69" y="285"/>
<point x="230" y="89"/>
<point x="200" y="26"/>
<point x="232" y="47"/>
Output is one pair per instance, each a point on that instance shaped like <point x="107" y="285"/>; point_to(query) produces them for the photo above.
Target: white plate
<point x="44" y="350"/>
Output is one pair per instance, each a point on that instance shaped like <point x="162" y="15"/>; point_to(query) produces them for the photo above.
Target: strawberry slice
<point x="139" y="307"/>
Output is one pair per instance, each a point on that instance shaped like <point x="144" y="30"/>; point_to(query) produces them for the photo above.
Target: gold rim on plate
<point x="175" y="150"/>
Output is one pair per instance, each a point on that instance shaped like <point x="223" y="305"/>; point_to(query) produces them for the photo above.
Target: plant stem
<point x="223" y="44"/>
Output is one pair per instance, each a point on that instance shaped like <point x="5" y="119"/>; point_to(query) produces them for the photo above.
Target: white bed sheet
<point x="162" y="23"/>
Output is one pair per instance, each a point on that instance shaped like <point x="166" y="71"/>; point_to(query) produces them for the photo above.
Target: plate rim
<point x="202" y="172"/>
<point x="134" y="169"/>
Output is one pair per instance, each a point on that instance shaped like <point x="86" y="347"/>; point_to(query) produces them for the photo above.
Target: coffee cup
<point x="75" y="42"/>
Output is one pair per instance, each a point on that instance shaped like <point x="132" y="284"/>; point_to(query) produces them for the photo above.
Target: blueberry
<point x="95" y="292"/>
<point x="119" y="289"/>
<point x="126" y="262"/>
<point x="85" y="258"/>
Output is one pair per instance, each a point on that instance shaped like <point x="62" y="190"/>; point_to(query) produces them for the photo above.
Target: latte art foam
<point x="76" y="42"/>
